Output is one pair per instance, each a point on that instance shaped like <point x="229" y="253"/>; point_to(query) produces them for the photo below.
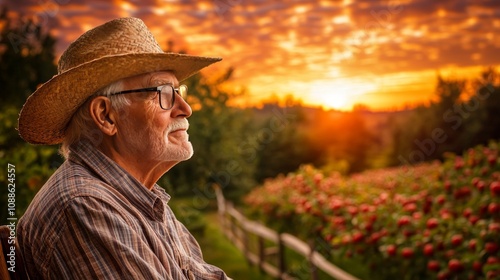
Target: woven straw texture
<point x="115" y="50"/>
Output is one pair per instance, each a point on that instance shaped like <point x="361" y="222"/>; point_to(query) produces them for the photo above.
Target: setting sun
<point x="341" y="94"/>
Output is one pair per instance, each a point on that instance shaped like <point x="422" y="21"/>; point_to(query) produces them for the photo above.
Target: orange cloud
<point x="294" y="46"/>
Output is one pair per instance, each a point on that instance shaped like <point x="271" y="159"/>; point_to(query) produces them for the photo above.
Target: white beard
<point x="146" y="145"/>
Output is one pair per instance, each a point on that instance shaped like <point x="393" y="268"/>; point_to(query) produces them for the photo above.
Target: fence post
<point x="235" y="222"/>
<point x="232" y="223"/>
<point x="221" y="208"/>
<point x="281" y="257"/>
<point x="312" y="268"/>
<point x="245" y="241"/>
<point x="260" y="244"/>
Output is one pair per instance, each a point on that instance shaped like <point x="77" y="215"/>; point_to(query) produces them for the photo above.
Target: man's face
<point x="147" y="131"/>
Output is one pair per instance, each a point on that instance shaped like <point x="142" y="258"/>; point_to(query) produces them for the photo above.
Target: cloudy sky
<point x="385" y="54"/>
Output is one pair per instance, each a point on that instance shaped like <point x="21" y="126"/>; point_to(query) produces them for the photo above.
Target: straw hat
<point x="115" y="50"/>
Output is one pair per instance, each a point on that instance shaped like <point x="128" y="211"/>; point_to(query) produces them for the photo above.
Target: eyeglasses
<point x="166" y="94"/>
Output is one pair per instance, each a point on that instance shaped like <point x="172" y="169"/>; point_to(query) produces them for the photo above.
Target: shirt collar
<point x="150" y="202"/>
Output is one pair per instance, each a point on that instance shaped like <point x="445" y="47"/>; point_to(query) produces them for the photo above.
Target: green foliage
<point x="291" y="136"/>
<point x="33" y="164"/>
<point x="26" y="55"/>
<point x="189" y="216"/>
<point x="280" y="144"/>
<point x="464" y="114"/>
<point x="219" y="251"/>
<point x="26" y="58"/>
<point x="217" y="132"/>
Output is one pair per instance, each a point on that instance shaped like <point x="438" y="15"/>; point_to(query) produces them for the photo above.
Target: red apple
<point x="407" y="252"/>
<point x="329" y="237"/>
<point x="495" y="188"/>
<point x="485" y="170"/>
<point x="432" y="223"/>
<point x="357" y="237"/>
<point x="492" y="260"/>
<point x="440" y="199"/>
<point x="477" y="266"/>
<point x="493" y="208"/>
<point x="492" y="274"/>
<point x="467" y="212"/>
<point x="428" y="249"/>
<point x="455" y="265"/>
<point x="473" y="219"/>
<point x="404" y="221"/>
<point x="481" y="185"/>
<point x="391" y="250"/>
<point x="353" y="210"/>
<point x="346" y="239"/>
<point x="447" y="185"/>
<point x="440" y="245"/>
<point x="475" y="180"/>
<point x="417" y="215"/>
<point x="492" y="160"/>
<point x="408" y="232"/>
<point x="410" y="207"/>
<point x="374" y="237"/>
<point x="456" y="240"/>
<point x="494" y="227"/>
<point x="450" y="253"/>
<point x="443" y="275"/>
<point x="433" y="265"/>
<point x="472" y="244"/>
<point x="491" y="247"/>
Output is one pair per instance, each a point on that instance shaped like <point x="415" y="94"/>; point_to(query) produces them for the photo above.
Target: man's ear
<point x="103" y="115"/>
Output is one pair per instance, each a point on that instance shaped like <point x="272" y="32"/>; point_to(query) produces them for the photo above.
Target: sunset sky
<point x="384" y="54"/>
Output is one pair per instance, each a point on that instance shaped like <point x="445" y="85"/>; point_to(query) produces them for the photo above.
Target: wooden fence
<point x="271" y="259"/>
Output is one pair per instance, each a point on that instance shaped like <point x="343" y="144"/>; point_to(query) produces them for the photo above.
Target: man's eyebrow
<point x="160" y="81"/>
<point x="153" y="81"/>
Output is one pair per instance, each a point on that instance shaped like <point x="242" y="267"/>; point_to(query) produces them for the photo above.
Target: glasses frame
<point x="181" y="91"/>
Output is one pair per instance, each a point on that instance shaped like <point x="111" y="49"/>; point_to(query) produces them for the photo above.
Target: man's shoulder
<point x="45" y="220"/>
<point x="69" y="182"/>
<point x="72" y="180"/>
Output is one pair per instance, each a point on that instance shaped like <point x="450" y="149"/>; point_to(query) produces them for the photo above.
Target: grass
<point x="217" y="250"/>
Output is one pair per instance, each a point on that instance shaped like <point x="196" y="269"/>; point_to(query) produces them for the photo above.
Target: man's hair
<point x="82" y="126"/>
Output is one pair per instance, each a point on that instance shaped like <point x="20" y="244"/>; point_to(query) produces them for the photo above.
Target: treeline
<point x="463" y="113"/>
<point x="466" y="113"/>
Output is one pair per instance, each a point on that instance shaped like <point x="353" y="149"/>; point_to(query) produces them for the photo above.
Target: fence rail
<point x="271" y="259"/>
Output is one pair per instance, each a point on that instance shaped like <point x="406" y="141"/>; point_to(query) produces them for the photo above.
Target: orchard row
<point x="428" y="221"/>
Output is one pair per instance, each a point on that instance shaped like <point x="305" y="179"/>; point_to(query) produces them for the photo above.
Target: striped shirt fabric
<point x="93" y="220"/>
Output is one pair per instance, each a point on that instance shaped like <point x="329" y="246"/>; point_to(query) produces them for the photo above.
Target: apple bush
<point x="427" y="221"/>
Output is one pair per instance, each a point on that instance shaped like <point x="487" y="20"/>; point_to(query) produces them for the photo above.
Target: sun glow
<point x="341" y="94"/>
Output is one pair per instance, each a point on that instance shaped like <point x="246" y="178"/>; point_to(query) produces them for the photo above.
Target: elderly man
<point x="119" y="113"/>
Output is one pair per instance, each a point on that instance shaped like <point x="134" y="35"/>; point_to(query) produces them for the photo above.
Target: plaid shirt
<point x="93" y="220"/>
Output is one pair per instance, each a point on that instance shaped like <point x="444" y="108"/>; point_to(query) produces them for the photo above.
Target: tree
<point x="26" y="60"/>
<point x="485" y="107"/>
<point x="453" y="123"/>
<point x="218" y="133"/>
<point x="281" y="140"/>
<point x="342" y="140"/>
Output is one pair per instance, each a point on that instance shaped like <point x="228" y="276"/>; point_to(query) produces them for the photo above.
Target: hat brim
<point x="46" y="113"/>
